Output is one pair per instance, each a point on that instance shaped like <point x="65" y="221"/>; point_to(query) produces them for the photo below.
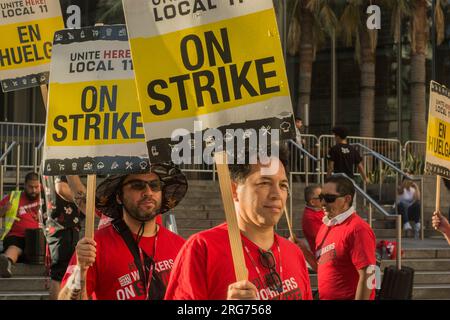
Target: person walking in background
<point x="343" y="158"/>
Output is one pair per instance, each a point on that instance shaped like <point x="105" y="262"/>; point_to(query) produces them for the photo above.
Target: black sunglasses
<point x="330" y="198"/>
<point x="273" y="279"/>
<point x="140" y="185"/>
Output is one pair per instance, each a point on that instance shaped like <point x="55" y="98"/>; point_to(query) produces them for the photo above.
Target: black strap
<point x="120" y="226"/>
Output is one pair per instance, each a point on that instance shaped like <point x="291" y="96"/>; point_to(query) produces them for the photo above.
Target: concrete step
<point x="431" y="277"/>
<point x="431" y="291"/>
<point x="16" y="284"/>
<point x="27" y="270"/>
<point x="421" y="264"/>
<point x="32" y="295"/>
<point x="391" y="233"/>
<point x="426" y="253"/>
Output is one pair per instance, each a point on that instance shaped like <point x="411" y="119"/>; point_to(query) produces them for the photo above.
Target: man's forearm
<point x="79" y="192"/>
<point x="362" y="171"/>
<point x="329" y="168"/>
<point x="363" y="291"/>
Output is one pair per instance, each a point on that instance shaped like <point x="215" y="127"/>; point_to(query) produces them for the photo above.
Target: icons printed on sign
<point x="74" y="166"/>
<point x="100" y="165"/>
<point x="143" y="165"/>
<point x="266" y="130"/>
<point x="123" y="32"/>
<point x="154" y="151"/>
<point x="87" y="166"/>
<point x="129" y="165"/>
<point x="285" y="126"/>
<point x="114" y="166"/>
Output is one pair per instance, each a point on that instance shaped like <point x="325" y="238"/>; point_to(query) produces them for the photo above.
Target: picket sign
<point x="234" y="234"/>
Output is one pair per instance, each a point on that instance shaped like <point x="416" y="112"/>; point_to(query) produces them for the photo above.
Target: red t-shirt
<point x="311" y="223"/>
<point x="348" y="247"/>
<point x="28" y="213"/>
<point x="204" y="269"/>
<point x="114" y="275"/>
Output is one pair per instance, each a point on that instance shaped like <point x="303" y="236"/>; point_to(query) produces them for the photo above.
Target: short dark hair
<point x="239" y="172"/>
<point x="341" y="132"/>
<point x="344" y="186"/>
<point x="31" y="176"/>
<point x="309" y="192"/>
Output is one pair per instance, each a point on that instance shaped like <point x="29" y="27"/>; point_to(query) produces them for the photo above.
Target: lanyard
<point x="148" y="270"/>
<point x="259" y="272"/>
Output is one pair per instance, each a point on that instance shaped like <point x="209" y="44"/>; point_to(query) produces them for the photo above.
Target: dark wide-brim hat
<point x="174" y="188"/>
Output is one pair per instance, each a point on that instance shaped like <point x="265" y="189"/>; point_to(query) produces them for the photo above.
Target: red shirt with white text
<point x="204" y="269"/>
<point x="344" y="249"/>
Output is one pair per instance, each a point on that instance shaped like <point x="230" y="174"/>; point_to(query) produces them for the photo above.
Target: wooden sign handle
<point x="291" y="232"/>
<point x="438" y="193"/>
<point x="230" y="213"/>
<point x="90" y="206"/>
<point x="44" y="92"/>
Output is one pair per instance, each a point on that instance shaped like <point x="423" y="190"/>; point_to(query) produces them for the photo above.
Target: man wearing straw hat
<point x="130" y="259"/>
<point x="276" y="267"/>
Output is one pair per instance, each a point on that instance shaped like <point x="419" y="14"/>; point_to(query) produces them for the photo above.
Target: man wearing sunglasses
<point x="345" y="246"/>
<point x="131" y="258"/>
<point x="276" y="267"/>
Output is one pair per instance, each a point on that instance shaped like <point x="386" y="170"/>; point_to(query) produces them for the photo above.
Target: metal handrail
<point x="8" y="151"/>
<point x="404" y="175"/>
<point x="36" y="150"/>
<point x="379" y="156"/>
<point x="309" y="155"/>
<point x="397" y="217"/>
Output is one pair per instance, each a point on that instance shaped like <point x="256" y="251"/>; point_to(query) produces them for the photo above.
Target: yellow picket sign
<point x="27" y="30"/>
<point x="94" y="123"/>
<point x="219" y="62"/>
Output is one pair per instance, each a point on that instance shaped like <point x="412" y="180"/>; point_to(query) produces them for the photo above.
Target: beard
<point x="142" y="215"/>
<point x="32" y="196"/>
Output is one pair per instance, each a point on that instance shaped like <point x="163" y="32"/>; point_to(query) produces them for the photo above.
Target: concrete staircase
<point x="28" y="283"/>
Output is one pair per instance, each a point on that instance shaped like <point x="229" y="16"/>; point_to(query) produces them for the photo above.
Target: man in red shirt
<point x="27" y="217"/>
<point x="345" y="246"/>
<point x="313" y="214"/>
<point x="131" y="258"/>
<point x="276" y="268"/>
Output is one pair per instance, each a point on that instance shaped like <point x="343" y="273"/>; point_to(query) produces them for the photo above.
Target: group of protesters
<point x="134" y="257"/>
